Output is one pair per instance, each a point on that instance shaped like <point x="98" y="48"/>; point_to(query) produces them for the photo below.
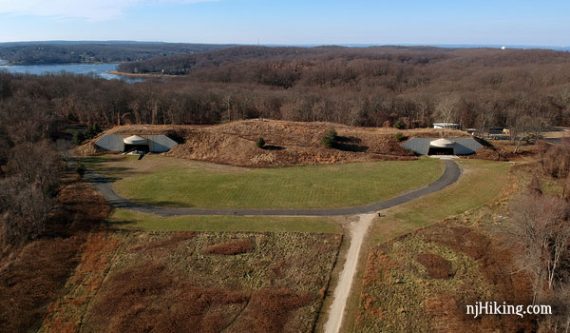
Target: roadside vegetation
<point x="428" y="259"/>
<point x="131" y="220"/>
<point x="480" y="183"/>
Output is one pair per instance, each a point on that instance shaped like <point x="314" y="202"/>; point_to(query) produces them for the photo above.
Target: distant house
<point x="144" y="143"/>
<point x="446" y="126"/>
<point x="442" y="146"/>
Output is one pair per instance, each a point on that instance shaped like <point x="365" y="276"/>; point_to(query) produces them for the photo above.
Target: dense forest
<point x="401" y="87"/>
<point x="411" y="87"/>
<point x="36" y="53"/>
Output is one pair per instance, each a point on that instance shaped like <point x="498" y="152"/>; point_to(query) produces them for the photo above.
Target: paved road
<point x="357" y="229"/>
<point x="104" y="185"/>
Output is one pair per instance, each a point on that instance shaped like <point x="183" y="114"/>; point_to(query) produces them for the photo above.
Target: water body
<point x="98" y="70"/>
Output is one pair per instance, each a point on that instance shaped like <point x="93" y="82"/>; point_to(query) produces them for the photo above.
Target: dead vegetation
<point x="233" y="247"/>
<point x="172" y="282"/>
<point x="436" y="266"/>
<point x="421" y="282"/>
<point x="287" y="143"/>
<point x="33" y="276"/>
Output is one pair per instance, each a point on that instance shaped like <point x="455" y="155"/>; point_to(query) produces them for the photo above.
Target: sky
<point x="291" y="22"/>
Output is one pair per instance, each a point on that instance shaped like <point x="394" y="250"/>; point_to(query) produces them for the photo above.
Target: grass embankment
<point x="183" y="183"/>
<point x="128" y="219"/>
<point x="480" y="183"/>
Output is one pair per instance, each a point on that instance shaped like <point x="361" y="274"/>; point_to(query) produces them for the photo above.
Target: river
<point x="99" y="70"/>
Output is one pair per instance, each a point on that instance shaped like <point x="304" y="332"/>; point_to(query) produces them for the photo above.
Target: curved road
<point x="357" y="229"/>
<point x="104" y="185"/>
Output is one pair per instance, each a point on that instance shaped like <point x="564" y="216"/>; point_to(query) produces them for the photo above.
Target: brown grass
<point x="33" y="276"/>
<point x="458" y="265"/>
<point x="32" y="279"/>
<point x="436" y="266"/>
<point x="168" y="282"/>
<point x="288" y="143"/>
<point x="233" y="247"/>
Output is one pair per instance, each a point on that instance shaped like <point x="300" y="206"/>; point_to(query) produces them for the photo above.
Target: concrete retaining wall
<point x="115" y="143"/>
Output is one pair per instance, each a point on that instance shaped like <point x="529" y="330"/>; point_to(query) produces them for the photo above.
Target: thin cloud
<point x="93" y="10"/>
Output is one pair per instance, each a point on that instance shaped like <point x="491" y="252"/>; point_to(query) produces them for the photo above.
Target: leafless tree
<point x="541" y="228"/>
<point x="446" y="109"/>
<point x="28" y="191"/>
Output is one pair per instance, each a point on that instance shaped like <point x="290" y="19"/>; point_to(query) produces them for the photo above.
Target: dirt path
<point x="104" y="185"/>
<point x="358" y="230"/>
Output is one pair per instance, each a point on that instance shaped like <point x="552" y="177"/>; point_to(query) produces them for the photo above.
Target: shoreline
<point x="138" y="75"/>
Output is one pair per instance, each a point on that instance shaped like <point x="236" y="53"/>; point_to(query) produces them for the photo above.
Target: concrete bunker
<point x="442" y="146"/>
<point x="136" y="143"/>
<point x="152" y="143"/>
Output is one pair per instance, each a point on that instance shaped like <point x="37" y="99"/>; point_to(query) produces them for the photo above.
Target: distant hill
<point x="62" y="52"/>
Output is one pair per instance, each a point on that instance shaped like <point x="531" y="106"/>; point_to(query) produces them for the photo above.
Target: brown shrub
<point x="233" y="247"/>
<point x="269" y="310"/>
<point x="556" y="160"/>
<point x="147" y="298"/>
<point x="167" y="243"/>
<point x="32" y="279"/>
<point x="436" y="266"/>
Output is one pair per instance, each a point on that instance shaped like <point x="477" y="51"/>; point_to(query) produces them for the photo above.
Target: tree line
<point x="38" y="53"/>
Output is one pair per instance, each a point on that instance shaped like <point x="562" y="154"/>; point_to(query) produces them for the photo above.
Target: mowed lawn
<point x="187" y="184"/>
<point x="482" y="182"/>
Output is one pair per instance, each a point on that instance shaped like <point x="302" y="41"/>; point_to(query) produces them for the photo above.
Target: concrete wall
<point x="113" y="142"/>
<point x="462" y="146"/>
<point x="466" y="146"/>
<point x="156" y="143"/>
<point x="160" y="143"/>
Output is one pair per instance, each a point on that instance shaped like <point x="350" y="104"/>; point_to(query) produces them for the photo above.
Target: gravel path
<point x="358" y="230"/>
<point x="104" y="185"/>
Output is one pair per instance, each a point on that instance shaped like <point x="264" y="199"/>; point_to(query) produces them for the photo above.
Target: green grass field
<point x="183" y="183"/>
<point x="127" y="219"/>
<point x="481" y="182"/>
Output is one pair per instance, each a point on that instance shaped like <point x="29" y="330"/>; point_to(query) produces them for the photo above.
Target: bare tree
<point x="540" y="226"/>
<point x="446" y="109"/>
<point x="28" y="191"/>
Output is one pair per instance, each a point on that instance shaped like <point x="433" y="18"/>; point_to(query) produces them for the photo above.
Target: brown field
<point x="202" y="282"/>
<point x="422" y="281"/>
<point x="288" y="143"/>
<point x="33" y="276"/>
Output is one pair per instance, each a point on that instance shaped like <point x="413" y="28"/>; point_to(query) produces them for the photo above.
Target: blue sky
<point x="499" y="22"/>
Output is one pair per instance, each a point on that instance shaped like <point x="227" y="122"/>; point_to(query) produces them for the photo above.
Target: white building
<point x="446" y="126"/>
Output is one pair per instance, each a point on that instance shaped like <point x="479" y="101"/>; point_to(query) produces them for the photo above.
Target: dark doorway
<point x="440" y="151"/>
<point x="140" y="148"/>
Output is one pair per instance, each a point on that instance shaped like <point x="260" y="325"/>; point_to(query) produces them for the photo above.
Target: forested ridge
<point x="403" y="87"/>
<point x="399" y="87"/>
<point x="39" y="53"/>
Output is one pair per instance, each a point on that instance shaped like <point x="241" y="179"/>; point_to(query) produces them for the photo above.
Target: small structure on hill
<point x="446" y="126"/>
<point x="143" y="143"/>
<point x="442" y="146"/>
